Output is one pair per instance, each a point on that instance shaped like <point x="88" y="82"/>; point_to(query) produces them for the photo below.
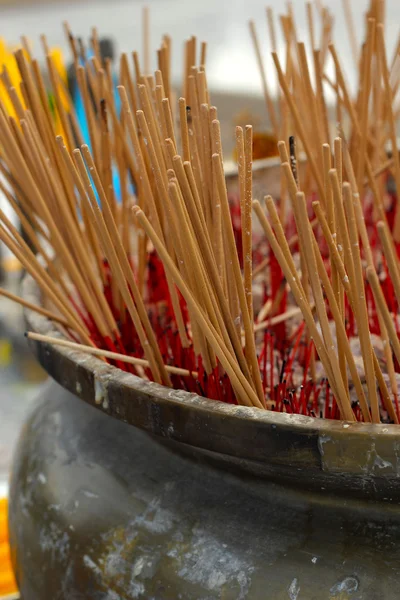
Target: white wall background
<point x="222" y="23"/>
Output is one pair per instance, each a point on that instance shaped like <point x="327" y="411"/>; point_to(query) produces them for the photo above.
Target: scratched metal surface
<point x="102" y="511"/>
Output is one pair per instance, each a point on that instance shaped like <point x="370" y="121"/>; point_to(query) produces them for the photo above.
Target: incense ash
<point x="286" y="303"/>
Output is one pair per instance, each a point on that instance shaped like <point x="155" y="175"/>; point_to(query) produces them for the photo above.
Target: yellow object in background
<point x="58" y="59"/>
<point x="5" y="353"/>
<point x="8" y="585"/>
<point x="11" y="75"/>
<point x="9" y="64"/>
<point x="11" y="264"/>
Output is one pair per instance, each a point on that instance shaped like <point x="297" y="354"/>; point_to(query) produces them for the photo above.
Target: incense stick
<point x="46" y="339"/>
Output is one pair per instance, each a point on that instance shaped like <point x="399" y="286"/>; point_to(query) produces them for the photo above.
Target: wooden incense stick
<point x="132" y="360"/>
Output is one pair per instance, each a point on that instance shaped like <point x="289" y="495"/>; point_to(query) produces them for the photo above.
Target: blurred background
<point x="235" y="88"/>
<point x="223" y="24"/>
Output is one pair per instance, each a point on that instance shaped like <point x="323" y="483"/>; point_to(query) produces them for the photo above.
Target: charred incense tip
<point x="293" y="158"/>
<point x="103" y="110"/>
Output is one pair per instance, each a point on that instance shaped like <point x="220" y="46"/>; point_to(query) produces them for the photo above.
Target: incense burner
<point x="122" y="488"/>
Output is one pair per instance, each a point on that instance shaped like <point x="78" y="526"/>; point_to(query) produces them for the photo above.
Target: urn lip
<point x="331" y="455"/>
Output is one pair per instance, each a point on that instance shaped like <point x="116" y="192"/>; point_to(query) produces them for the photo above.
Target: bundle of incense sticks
<point x="173" y="284"/>
<point x="10" y="77"/>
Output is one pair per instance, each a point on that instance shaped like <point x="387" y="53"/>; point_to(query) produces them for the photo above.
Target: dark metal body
<point x="101" y="510"/>
<point x="234" y="503"/>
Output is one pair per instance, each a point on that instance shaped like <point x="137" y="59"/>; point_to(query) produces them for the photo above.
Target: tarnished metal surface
<point x="100" y="510"/>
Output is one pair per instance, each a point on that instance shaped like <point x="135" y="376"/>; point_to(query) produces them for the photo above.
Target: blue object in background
<point x="82" y="120"/>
